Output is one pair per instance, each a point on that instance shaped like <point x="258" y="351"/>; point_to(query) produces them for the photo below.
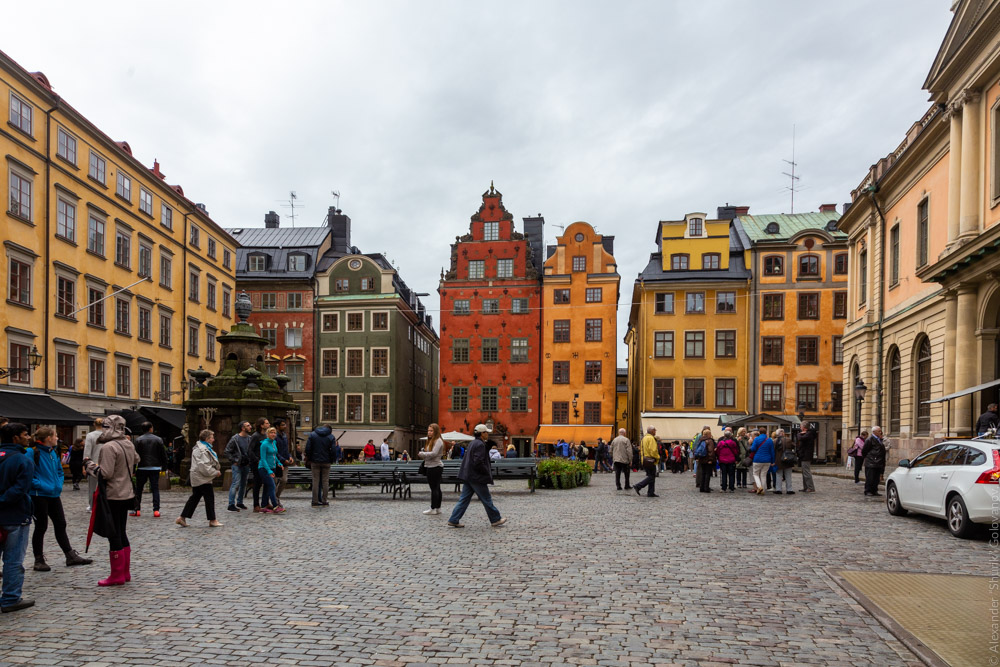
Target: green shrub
<point x="557" y="473"/>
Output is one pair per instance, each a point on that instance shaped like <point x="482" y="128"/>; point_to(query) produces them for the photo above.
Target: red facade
<point x="293" y="351"/>
<point x="490" y="330"/>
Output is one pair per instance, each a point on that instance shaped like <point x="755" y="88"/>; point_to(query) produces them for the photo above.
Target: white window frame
<point x="336" y="412"/>
<point x="388" y="320"/>
<point x="322" y="322"/>
<point x="371" y="408"/>
<point x="256" y="263"/>
<point x="347" y="366"/>
<point x="322" y="362"/>
<point x="347" y="318"/>
<point x="347" y="414"/>
<point x="509" y="272"/>
<point x="288" y="343"/>
<point x="481" y="265"/>
<point x="388" y="362"/>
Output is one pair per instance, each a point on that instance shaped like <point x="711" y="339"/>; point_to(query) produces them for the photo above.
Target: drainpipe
<point x="48" y="228"/>
<point x="872" y="191"/>
<point x="184" y="298"/>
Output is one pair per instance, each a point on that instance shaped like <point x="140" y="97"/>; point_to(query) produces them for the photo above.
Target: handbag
<point x="648" y="461"/>
<point x="422" y="470"/>
<point x="788" y="457"/>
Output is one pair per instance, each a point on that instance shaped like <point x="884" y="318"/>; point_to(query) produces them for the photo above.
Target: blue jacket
<point x="321" y="446"/>
<point x="48" y="478"/>
<point x="563" y="449"/>
<point x="268" y="456"/>
<point x="476" y="464"/>
<point x="281" y="442"/>
<point x="762" y="449"/>
<point x="16" y="473"/>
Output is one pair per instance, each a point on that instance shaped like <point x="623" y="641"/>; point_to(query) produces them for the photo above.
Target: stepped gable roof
<point x="790" y="225"/>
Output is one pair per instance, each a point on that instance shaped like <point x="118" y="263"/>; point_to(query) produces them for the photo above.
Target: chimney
<point x="827" y="208"/>
<point x="847" y="206"/>
<point x="534" y="231"/>
<point x="272" y="220"/>
<point x="340" y="226"/>
<point x="156" y="169"/>
<point x="202" y="208"/>
<point x="609" y="244"/>
<point x="728" y="212"/>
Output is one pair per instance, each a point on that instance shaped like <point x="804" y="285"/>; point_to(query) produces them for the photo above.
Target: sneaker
<point x="23" y="603"/>
<point x="133" y="513"/>
<point x="156" y="513"/>
<point x="789" y="493"/>
<point x="265" y="510"/>
<point x="278" y="510"/>
<point x="241" y="506"/>
<point x="500" y="522"/>
<point x="456" y="525"/>
<point x="232" y="508"/>
<point x="430" y="511"/>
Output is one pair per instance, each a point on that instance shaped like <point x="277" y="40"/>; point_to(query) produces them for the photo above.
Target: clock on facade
<point x="355" y="264"/>
<point x="578" y="237"/>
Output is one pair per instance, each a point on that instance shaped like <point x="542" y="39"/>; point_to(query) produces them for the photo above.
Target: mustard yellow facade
<point x="687" y="338"/>
<point x="579" y="338"/>
<point x="120" y="282"/>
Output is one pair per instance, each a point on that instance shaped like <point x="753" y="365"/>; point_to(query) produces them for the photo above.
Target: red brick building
<point x="490" y="327"/>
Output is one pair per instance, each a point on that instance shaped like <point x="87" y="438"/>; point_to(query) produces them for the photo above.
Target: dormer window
<point x="696" y="227"/>
<point x="297" y="262"/>
<point x="257" y="262"/>
<point x="831" y="226"/>
<point x="772" y="228"/>
<point x="679" y="262"/>
<point x="711" y="260"/>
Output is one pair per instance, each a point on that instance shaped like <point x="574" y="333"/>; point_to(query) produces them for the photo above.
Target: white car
<point x="956" y="480"/>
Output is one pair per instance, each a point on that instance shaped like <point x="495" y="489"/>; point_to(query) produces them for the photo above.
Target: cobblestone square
<point x="590" y="576"/>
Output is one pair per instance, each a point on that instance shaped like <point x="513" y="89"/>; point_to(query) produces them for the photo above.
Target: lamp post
<point x="859" y="397"/>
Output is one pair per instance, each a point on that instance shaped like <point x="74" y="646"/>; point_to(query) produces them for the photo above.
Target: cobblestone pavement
<point x="590" y="576"/>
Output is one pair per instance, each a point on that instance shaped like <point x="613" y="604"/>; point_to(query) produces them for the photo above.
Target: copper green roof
<point x="788" y="225"/>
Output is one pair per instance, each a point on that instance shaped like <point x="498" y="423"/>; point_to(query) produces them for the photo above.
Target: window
<point x="97" y="376"/>
<point x="491" y="231"/>
<point x="65" y="297"/>
<point x="808" y="350"/>
<point x="195" y="239"/>
<point x="771" y="396"/>
<point x="579" y="263"/>
<point x="772" y="350"/>
<point x="367" y="284"/>
<point x="477" y="269"/>
<point x="145" y="261"/>
<point x="774" y="307"/>
<point x="695" y="302"/>
<point x="664" y="303"/>
<point x="560" y="372"/>
<point x="491" y="350"/>
<point x="838" y="349"/>
<point x="95" y="236"/>
<point x="836" y="396"/>
<point x="166" y="216"/>
<point x="774" y="265"/>
<point x="663" y="392"/>
<point x="923" y="386"/>
<point x="210" y="292"/>
<point x="695" y="227"/>
<point x="694" y="344"/>
<point x="293" y="337"/>
<point x="145" y="324"/>
<point x="20" y="368"/>
<point x="519" y="350"/>
<point x="270" y="334"/>
<point x="679" y="262"/>
<point x="20" y="283"/>
<point x="591" y="412"/>
<point x="460" y="350"/>
<point x="594" y="294"/>
<point x="560" y="331"/>
<point x="459" y="399"/>
<point x="122" y="316"/>
<point x="331" y="363"/>
<point x="258" y="262"/>
<point x="489" y="399"/>
<point x="355" y="408"/>
<point x="66" y="371"/>
<point x="560" y="296"/>
<point x="725" y="344"/>
<point x="807" y="396"/>
<point x="124" y="188"/>
<point x="65" y="220"/>
<point x="20" y="196"/>
<point x="725" y="302"/>
<point x="518" y="399"/>
<point x="505" y="268"/>
<point x="146" y="201"/>
<point x="694" y="393"/>
<point x="165" y="326"/>
<point x="895" y="393"/>
<point x="165" y="387"/>
<point x="560" y="412"/>
<point x="227" y="258"/>
<point x="923" y="232"/>
<point x="211" y="250"/>
<point x="380" y="321"/>
<point x="518" y="306"/>
<point x="592" y="372"/>
<point x="710" y="260"/>
<point x="380" y="407"/>
<point x="839" y="305"/>
<point x="123" y="380"/>
<point x="355" y="321"/>
<point x="462" y="307"/>
<point x="66" y="146"/>
<point x="491" y="306"/>
<point x="297" y="262"/>
<point x="98" y="168"/>
<point x="20" y="114"/>
<point x="193" y="339"/>
<point x="123" y="249"/>
<point x="166" y="270"/>
<point x="331" y="322"/>
<point x="808" y="266"/>
<point x="355" y="363"/>
<point x="592" y="330"/>
<point x="663" y="344"/>
<point x="380" y="362"/>
<point x="725" y="393"/>
<point x="862" y="276"/>
<point x="194" y="286"/>
<point x="95" y="307"/>
<point x="840" y="264"/>
<point x="809" y="306"/>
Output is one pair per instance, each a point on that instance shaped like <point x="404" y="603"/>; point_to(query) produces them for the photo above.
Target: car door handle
<point x="946" y="476"/>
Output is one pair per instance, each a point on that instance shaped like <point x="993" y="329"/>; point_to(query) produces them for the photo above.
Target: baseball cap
<point x="481" y="428"/>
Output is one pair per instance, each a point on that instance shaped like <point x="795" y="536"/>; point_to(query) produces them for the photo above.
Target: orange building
<point x="579" y="337"/>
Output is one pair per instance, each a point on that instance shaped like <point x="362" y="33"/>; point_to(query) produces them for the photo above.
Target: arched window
<point x="923" y="379"/>
<point x="809" y="265"/>
<point x="855" y="376"/>
<point x="895" y="377"/>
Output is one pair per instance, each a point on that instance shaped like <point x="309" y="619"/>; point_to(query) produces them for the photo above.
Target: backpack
<point x="701" y="450"/>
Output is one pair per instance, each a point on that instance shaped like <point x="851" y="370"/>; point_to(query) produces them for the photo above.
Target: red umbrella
<point x="93" y="513"/>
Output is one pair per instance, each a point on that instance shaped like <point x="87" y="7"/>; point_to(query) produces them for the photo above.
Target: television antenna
<point x="291" y="204"/>
<point x="793" y="188"/>
<point x="336" y="194"/>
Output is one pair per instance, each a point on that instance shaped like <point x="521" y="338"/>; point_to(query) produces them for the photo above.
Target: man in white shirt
<point x="384" y="450"/>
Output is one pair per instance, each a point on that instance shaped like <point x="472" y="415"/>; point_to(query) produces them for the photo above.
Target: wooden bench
<point x="361" y="474"/>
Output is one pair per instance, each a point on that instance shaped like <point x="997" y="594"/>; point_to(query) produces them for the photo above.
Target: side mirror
<point x="905" y="463"/>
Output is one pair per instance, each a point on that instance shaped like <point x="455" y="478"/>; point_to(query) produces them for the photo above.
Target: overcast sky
<point x="617" y="113"/>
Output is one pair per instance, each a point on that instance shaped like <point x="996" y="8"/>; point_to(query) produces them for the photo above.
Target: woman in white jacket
<point x="204" y="468"/>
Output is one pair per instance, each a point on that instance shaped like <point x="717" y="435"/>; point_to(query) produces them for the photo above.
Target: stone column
<point x="970" y="201"/>
<point x="950" y="331"/>
<point x="954" y="114"/>
<point x="967" y="361"/>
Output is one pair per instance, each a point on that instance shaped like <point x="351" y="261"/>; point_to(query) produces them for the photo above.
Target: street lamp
<point x="859" y="397"/>
<point x="34" y="361"/>
<point x="576" y="413"/>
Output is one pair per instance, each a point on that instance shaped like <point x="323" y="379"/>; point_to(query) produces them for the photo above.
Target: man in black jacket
<point x="806" y="450"/>
<point x="987" y="420"/>
<point x="261" y="434"/>
<point x="874" y="455"/>
<point x="320" y="454"/>
<point x="238" y="452"/>
<point x="152" y="459"/>
<point x="477" y="475"/>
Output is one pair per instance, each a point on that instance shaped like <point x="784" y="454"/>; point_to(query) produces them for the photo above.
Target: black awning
<point x="39" y="409"/>
<point x="173" y="416"/>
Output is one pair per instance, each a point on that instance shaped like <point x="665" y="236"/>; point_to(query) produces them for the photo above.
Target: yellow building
<point x="579" y="338"/>
<point x="118" y="280"/>
<point x="688" y="348"/>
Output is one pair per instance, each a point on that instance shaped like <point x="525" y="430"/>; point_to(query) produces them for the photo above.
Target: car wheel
<point x="958" y="517"/>
<point x="892" y="501"/>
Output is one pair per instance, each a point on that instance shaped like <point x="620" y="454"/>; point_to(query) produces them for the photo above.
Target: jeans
<point x="649" y="480"/>
<point x="13" y="551"/>
<point x="772" y="476"/>
<point x="153" y="477"/>
<point x="44" y="508"/>
<point x="619" y="469"/>
<point x="268" y="496"/>
<point x="807" y="476"/>
<point x="483" y="492"/>
<point x="434" y="481"/>
<point x="784" y="475"/>
<point x="238" y="486"/>
<point x="197" y="493"/>
<point x="320" y="482"/>
<point x="728" y="475"/>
